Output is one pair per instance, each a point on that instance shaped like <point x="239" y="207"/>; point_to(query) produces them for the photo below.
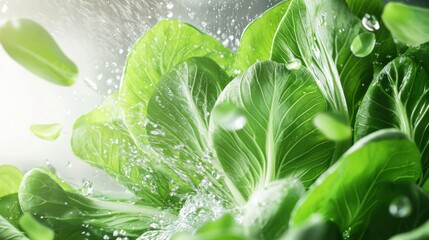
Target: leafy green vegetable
<point x="392" y="217"/>
<point x="48" y="132"/>
<point x="10" y="209"/>
<point x="167" y="44"/>
<point x="10" y="179"/>
<point x="370" y="11"/>
<point x="276" y="202"/>
<point x="34" y="229"/>
<point x="102" y="139"/>
<point x="407" y="23"/>
<point x="309" y="31"/>
<point x="34" y="48"/>
<point x="255" y="44"/>
<point x="398" y="98"/>
<point x="347" y="192"/>
<point x="42" y="195"/>
<point x="199" y="151"/>
<point x="332" y="126"/>
<point x="9" y="232"/>
<point x="316" y="228"/>
<point x="279" y="139"/>
<point x="179" y="114"/>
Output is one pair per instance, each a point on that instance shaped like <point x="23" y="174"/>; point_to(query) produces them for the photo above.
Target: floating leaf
<point x="332" y="127"/>
<point x="409" y="24"/>
<point x="34" y="48"/>
<point x="48" y="132"/>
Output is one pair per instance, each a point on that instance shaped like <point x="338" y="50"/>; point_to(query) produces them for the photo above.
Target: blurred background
<point x="97" y="35"/>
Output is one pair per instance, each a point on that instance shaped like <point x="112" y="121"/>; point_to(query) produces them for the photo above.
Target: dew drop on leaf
<point x="400" y="207"/>
<point x="229" y="117"/>
<point x="370" y="22"/>
<point x="294" y="64"/>
<point x="87" y="188"/>
<point x="363" y="44"/>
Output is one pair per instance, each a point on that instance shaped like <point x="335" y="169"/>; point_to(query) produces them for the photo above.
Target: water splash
<point x="87" y="188"/>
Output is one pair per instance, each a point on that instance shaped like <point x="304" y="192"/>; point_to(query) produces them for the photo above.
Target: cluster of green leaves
<point x="263" y="135"/>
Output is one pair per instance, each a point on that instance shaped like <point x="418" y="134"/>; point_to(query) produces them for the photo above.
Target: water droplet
<point x="294" y="64"/>
<point x="50" y="167"/>
<point x="169" y="14"/>
<point x="237" y="71"/>
<point x="370" y="22"/>
<point x="400" y="207"/>
<point x="105" y="237"/>
<point x="229" y="117"/>
<point x="69" y="164"/>
<point x="122" y="232"/>
<point x="115" y="233"/>
<point x="322" y="19"/>
<point x="87" y="188"/>
<point x="363" y="44"/>
<point x="170" y="5"/>
<point x="346" y="233"/>
<point x="121" y="51"/>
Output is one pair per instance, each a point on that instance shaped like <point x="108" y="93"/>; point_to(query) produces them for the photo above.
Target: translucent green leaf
<point x="347" y="193"/>
<point x="9" y="232"/>
<point x="10" y="179"/>
<point x="408" y="24"/>
<point x="34" y="48"/>
<point x="102" y="139"/>
<point x="332" y="127"/>
<point x="34" y="229"/>
<point x="179" y="114"/>
<point x="255" y="44"/>
<point x="398" y="98"/>
<point x="41" y="195"/>
<point x="279" y="139"/>
<point x="268" y="209"/>
<point x="319" y="33"/>
<point x="167" y="44"/>
<point x="363" y="44"/>
<point x="10" y="208"/>
<point x="48" y="132"/>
